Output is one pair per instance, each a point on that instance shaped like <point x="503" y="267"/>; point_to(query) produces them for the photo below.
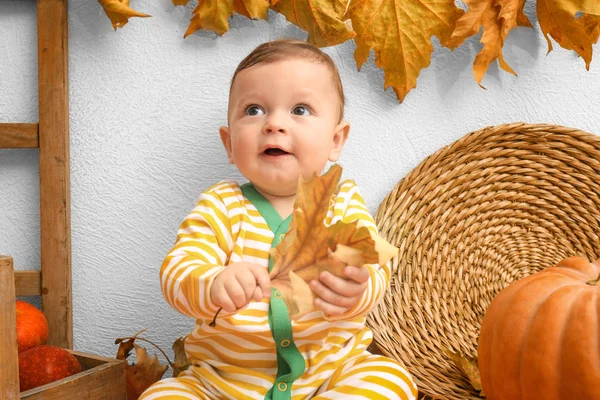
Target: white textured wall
<point x="145" y="107"/>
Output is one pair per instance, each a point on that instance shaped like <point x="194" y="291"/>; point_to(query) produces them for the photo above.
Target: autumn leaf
<point x="557" y="20"/>
<point x="180" y="2"/>
<point x="591" y="25"/>
<point x="254" y="9"/>
<point x="214" y="14"/>
<point x="468" y="367"/>
<point x="498" y="18"/>
<point x="119" y="12"/>
<point x="322" y="20"/>
<point x="146" y="371"/>
<point x="311" y="247"/>
<point x="180" y="363"/>
<point x="399" y="32"/>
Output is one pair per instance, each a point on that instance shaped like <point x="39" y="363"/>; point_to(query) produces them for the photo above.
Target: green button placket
<point x="290" y="362"/>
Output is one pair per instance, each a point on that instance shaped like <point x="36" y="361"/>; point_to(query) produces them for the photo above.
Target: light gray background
<point x="145" y="108"/>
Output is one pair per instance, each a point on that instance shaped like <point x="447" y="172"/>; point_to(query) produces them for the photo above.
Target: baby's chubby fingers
<point x="358" y="275"/>
<point x="221" y="298"/>
<point x="354" y="283"/>
<point x="328" y="299"/>
<point x="261" y="276"/>
<point x="239" y="284"/>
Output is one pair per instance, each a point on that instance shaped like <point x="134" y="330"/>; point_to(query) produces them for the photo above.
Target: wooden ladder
<point x="51" y="136"/>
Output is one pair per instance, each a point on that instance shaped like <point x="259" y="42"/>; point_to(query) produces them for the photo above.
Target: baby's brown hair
<point x="285" y="49"/>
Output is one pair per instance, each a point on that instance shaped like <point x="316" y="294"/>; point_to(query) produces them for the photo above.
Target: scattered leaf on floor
<point x="468" y="367"/>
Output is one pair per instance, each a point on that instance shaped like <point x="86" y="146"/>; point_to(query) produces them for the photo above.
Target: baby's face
<point x="283" y="123"/>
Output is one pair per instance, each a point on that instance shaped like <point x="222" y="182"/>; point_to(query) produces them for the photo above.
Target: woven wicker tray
<point x="495" y="206"/>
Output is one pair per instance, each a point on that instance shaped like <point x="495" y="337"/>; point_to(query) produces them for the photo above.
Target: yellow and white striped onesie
<point x="257" y="352"/>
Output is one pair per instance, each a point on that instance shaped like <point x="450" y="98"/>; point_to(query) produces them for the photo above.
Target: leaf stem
<point x="135" y="337"/>
<point x="594" y="282"/>
<point x="213" y="323"/>
<point x="159" y="349"/>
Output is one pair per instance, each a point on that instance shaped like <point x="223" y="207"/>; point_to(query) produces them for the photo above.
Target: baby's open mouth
<point x="275" y="152"/>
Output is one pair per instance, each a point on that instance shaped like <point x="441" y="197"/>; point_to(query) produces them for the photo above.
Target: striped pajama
<point x="257" y="352"/>
<point x="365" y="377"/>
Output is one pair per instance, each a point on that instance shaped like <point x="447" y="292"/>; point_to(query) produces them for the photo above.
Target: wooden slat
<point x="13" y="136"/>
<point x="9" y="366"/>
<point x="104" y="380"/>
<point x="28" y="283"/>
<point x="55" y="215"/>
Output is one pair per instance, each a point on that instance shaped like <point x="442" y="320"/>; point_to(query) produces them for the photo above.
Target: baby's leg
<point x="181" y="388"/>
<point x="369" y="376"/>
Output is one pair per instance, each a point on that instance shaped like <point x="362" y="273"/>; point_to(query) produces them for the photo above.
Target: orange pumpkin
<point x="540" y="337"/>
<point x="32" y="326"/>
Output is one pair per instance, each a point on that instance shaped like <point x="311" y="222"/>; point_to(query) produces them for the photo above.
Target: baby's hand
<point x="336" y="295"/>
<point x="238" y="284"/>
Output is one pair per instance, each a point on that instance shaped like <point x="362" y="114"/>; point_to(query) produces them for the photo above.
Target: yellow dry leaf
<point x="302" y="295"/>
<point x="557" y="20"/>
<point x="252" y="8"/>
<point x="214" y="14"/>
<point x="591" y="25"/>
<point x="119" y="12"/>
<point x="311" y="247"/>
<point x="322" y="20"/>
<point x="400" y="34"/>
<point x="498" y="18"/>
<point x="468" y="366"/>
<point x="180" y="2"/>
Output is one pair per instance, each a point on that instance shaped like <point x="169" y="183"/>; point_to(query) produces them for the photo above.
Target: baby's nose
<point x="275" y="124"/>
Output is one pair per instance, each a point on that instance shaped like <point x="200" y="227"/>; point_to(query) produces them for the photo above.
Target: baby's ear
<point x="340" y="134"/>
<point x="226" y="139"/>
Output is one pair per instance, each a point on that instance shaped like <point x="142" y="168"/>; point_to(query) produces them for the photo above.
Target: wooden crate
<point x="101" y="377"/>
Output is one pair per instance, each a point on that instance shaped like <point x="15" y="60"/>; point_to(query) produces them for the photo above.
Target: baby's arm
<point x="197" y="263"/>
<point x="363" y="287"/>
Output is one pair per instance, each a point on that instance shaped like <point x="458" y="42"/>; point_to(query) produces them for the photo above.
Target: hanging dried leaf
<point x="498" y="18"/>
<point x="119" y="12"/>
<point x="214" y="14"/>
<point x="180" y="363"/>
<point x="310" y="247"/>
<point x="591" y="25"/>
<point x="557" y="20"/>
<point x="254" y="9"/>
<point x="400" y="34"/>
<point x="322" y="20"/>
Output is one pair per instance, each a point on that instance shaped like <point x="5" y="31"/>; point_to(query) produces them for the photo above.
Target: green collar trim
<point x="266" y="209"/>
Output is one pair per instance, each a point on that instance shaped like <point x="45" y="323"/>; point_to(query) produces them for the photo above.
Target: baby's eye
<point x="254" y="110"/>
<point x="301" y="110"/>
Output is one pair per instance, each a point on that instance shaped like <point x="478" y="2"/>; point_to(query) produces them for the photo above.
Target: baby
<point x="285" y="121"/>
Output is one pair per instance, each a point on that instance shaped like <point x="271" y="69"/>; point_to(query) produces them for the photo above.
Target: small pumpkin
<point x="540" y="336"/>
<point x="32" y="326"/>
